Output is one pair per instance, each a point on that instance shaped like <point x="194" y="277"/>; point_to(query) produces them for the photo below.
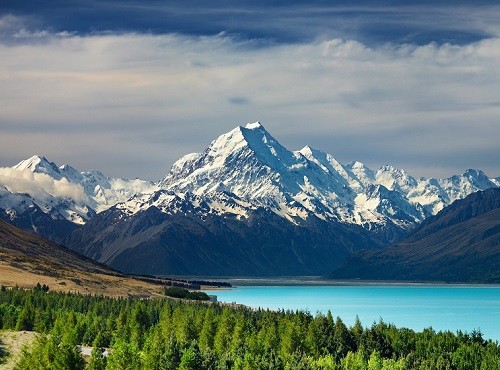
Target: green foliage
<point x="191" y="358"/>
<point x="48" y="353"/>
<point x="176" y="292"/>
<point x="172" y="334"/>
<point x="67" y="357"/>
<point x="97" y="360"/>
<point x="125" y="356"/>
<point x="354" y="361"/>
<point x="376" y="362"/>
<point x="3" y="352"/>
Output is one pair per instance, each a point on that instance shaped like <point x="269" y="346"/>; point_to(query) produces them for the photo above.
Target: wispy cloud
<point x="39" y="185"/>
<point x="131" y="103"/>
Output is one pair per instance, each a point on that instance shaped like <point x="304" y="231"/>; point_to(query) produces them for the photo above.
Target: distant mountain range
<point x="53" y="201"/>
<point x="459" y="244"/>
<point x="245" y="206"/>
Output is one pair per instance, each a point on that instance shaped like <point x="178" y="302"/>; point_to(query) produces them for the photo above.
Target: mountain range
<point x="459" y="244"/>
<point x="244" y="206"/>
<point x="53" y="201"/>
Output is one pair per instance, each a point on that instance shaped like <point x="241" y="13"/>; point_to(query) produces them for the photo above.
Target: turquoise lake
<point x="453" y="308"/>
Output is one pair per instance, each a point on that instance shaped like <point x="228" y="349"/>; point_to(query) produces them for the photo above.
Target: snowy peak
<point x="333" y="168"/>
<point x="395" y="179"/>
<point x="360" y="172"/>
<point x="254" y="126"/>
<point x="244" y="170"/>
<point x="182" y="166"/>
<point x="249" y="163"/>
<point x="239" y="161"/>
<point x="251" y="140"/>
<point x="266" y="147"/>
<point x="39" y="164"/>
<point x="31" y="163"/>
<point x="62" y="192"/>
<point x="478" y="178"/>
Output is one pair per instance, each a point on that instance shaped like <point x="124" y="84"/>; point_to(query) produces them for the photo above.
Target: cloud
<point x="367" y="21"/>
<point x="130" y="104"/>
<point x="39" y="185"/>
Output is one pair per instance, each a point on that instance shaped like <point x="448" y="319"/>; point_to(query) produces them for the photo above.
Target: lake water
<point x="453" y="308"/>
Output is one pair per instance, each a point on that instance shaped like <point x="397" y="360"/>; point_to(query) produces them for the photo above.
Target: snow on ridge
<point x="246" y="169"/>
<point x="254" y="125"/>
<point x="252" y="164"/>
<point x="64" y="191"/>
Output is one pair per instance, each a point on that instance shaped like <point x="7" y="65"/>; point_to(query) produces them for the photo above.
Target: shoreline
<point x="236" y="281"/>
<point x="444" y="307"/>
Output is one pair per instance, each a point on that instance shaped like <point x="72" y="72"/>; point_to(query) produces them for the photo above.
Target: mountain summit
<point x="39" y="164"/>
<point x="52" y="201"/>
<point x="249" y="206"/>
<point x="246" y="198"/>
<point x="253" y="166"/>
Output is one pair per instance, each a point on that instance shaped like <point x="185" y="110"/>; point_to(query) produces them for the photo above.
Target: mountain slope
<point x="191" y="238"/>
<point x="27" y="259"/>
<point x="460" y="244"/>
<point x="243" y="194"/>
<point x="249" y="206"/>
<point x="251" y="164"/>
<point x="52" y="201"/>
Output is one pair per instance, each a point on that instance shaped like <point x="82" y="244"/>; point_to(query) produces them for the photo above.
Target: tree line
<point x="165" y="333"/>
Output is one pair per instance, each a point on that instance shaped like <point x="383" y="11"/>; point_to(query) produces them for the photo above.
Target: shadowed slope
<point x="459" y="244"/>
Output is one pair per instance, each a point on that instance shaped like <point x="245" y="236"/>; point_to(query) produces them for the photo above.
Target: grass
<point x="77" y="281"/>
<point x="11" y="344"/>
<point x="3" y="352"/>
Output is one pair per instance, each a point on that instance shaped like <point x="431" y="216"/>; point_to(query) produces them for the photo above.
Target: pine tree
<point x="97" y="360"/>
<point x="208" y="329"/>
<point x="375" y="362"/>
<point x="191" y="358"/>
<point x="124" y="356"/>
<point x="67" y="357"/>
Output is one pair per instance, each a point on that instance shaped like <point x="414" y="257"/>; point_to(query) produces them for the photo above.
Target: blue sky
<point x="128" y="87"/>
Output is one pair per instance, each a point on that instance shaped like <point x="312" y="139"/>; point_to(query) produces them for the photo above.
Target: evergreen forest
<point x="166" y="333"/>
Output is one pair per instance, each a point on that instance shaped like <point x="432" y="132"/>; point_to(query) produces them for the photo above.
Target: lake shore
<point x="313" y="281"/>
<point x="417" y="306"/>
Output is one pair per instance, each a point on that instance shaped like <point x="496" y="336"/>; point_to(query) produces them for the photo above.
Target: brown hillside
<point x="27" y="259"/>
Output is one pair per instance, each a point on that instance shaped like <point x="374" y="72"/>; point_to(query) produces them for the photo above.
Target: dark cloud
<point x="281" y="21"/>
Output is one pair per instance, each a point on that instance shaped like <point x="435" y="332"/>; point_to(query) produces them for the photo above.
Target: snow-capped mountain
<point x="246" y="198"/>
<point x="239" y="171"/>
<point x="249" y="206"/>
<point x="253" y="166"/>
<point x="459" y="244"/>
<point x="38" y="186"/>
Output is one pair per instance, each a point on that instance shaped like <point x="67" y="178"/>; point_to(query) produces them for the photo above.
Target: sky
<point x="128" y="87"/>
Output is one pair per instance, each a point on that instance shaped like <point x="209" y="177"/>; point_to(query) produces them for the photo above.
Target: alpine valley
<point x="245" y="206"/>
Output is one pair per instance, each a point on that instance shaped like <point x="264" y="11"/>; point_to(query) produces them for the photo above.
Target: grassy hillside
<point x="26" y="259"/>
